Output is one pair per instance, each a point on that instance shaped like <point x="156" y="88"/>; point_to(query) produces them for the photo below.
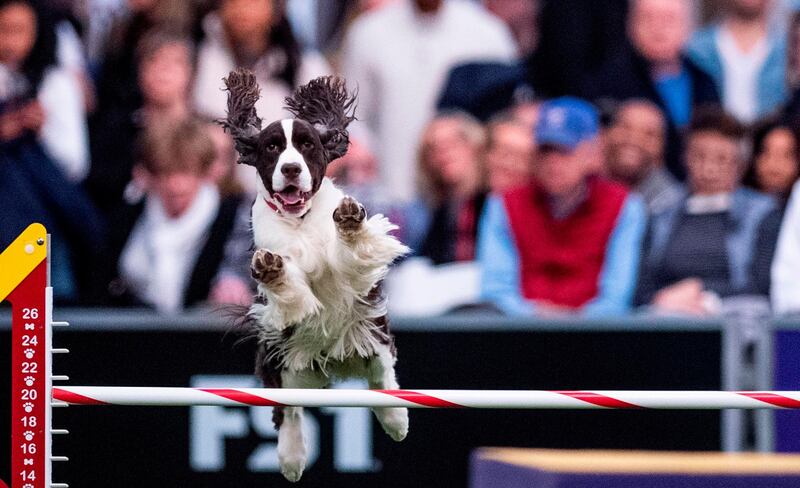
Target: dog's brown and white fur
<point x="319" y="260"/>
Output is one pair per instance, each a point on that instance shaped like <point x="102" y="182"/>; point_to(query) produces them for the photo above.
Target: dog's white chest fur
<point x="323" y="313"/>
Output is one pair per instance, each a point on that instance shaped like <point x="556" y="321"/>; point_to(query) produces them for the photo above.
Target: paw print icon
<point x="28" y="407"/>
<point x="29" y="353"/>
<point x="28" y="435"/>
<point x="29" y="380"/>
<point x="27" y="485"/>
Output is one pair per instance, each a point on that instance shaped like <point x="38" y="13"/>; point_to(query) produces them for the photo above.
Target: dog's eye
<point x="308" y="145"/>
<point x="272" y="147"/>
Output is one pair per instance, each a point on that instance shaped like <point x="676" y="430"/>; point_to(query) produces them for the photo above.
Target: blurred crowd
<point x="541" y="157"/>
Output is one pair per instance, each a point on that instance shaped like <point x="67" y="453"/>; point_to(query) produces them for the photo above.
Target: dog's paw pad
<point x="349" y="215"/>
<point x="266" y="266"/>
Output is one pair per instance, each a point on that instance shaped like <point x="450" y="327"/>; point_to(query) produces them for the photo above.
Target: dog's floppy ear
<point x="325" y="104"/>
<point x="243" y="122"/>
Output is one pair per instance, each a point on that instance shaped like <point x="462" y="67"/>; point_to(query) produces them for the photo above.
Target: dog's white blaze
<point x="290" y="155"/>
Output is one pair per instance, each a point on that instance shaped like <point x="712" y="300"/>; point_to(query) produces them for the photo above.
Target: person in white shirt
<point x="39" y="96"/>
<point x="746" y="58"/>
<point x="165" y="250"/>
<point x="785" y="290"/>
<point x="398" y="57"/>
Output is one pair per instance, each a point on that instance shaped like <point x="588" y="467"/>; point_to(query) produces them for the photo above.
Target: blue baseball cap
<point x="566" y="122"/>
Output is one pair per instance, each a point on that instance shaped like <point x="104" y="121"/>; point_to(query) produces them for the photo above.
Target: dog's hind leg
<point x="394" y="420"/>
<point x="292" y="452"/>
<point x="268" y="368"/>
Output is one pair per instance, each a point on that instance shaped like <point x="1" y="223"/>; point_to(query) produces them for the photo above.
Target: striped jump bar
<point x="520" y="399"/>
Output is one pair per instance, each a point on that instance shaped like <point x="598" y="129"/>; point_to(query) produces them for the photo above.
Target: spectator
<point x="792" y="109"/>
<point x="484" y="89"/>
<point x="255" y="35"/>
<point x="786" y="266"/>
<point x="702" y="248"/>
<point x="656" y="69"/>
<point x="334" y="18"/>
<point x="164" y="73"/>
<point x="117" y="84"/>
<point x="443" y="224"/>
<point x="509" y="153"/>
<point x="775" y="168"/>
<point x="399" y="56"/>
<point x="568" y="241"/>
<point x="635" y="154"/>
<point x="96" y="20"/>
<point x="527" y="112"/>
<point x="33" y="186"/>
<point x="521" y="16"/>
<point x="577" y="37"/>
<point x="70" y="50"/>
<point x="776" y="160"/>
<point x="746" y="60"/>
<point x="117" y="70"/>
<point x="41" y="97"/>
<point x="167" y="249"/>
<point x="223" y="170"/>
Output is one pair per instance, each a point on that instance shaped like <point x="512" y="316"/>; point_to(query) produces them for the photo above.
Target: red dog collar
<point x="277" y="210"/>
<point x="273" y="206"/>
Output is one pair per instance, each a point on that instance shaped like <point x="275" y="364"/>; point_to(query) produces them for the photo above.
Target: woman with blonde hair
<point x="442" y="225"/>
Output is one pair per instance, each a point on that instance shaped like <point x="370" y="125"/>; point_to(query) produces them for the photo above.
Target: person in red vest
<point x="568" y="241"/>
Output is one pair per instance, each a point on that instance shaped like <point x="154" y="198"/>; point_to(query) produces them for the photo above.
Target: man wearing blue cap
<point x="568" y="241"/>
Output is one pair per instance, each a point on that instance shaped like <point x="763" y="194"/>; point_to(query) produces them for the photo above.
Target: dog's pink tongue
<point x="291" y="197"/>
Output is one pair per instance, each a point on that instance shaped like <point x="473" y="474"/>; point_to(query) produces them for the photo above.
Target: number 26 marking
<point x="30" y="313"/>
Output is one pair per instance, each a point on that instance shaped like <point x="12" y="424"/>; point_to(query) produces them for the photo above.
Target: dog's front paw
<point x="266" y="267"/>
<point x="349" y="216"/>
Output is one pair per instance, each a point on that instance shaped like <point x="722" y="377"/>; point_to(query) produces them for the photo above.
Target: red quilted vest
<point x="561" y="260"/>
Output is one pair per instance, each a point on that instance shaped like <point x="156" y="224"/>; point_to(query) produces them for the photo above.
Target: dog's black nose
<point x="291" y="170"/>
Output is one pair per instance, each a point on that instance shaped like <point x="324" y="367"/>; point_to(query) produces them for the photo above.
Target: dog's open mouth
<point x="292" y="199"/>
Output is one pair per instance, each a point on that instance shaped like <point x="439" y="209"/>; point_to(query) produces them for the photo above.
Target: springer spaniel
<point x="319" y="260"/>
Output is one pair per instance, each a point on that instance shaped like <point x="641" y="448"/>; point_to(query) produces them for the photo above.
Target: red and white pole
<point x="490" y="399"/>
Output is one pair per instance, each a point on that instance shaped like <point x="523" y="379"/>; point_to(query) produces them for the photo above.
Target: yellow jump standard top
<point x="21" y="257"/>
